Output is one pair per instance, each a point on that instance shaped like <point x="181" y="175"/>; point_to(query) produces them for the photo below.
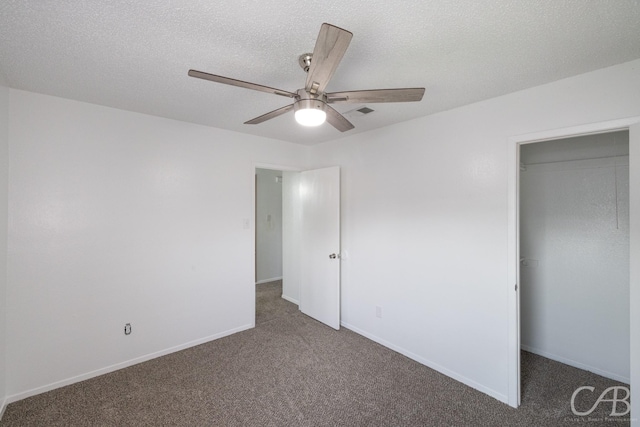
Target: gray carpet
<point x="293" y="371"/>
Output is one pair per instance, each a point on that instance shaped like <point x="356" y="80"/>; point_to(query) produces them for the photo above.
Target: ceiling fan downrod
<point x="305" y="61"/>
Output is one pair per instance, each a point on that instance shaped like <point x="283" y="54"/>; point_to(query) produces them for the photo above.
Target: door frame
<point x="513" y="246"/>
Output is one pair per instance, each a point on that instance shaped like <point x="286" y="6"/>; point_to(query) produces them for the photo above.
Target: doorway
<point x="631" y="124"/>
<point x="574" y="254"/>
<point x="278" y="227"/>
<point x="268" y="226"/>
<point x="309" y="231"/>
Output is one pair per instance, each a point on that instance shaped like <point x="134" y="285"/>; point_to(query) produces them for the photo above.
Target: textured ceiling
<point x="135" y="55"/>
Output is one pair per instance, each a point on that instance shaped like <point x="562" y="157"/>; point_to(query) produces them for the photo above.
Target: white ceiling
<point x="135" y="55"/>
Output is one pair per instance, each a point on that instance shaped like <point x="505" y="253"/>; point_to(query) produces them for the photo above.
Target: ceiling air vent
<point x="358" y="112"/>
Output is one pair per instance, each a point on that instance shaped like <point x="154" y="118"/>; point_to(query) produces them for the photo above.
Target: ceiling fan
<point x="311" y="104"/>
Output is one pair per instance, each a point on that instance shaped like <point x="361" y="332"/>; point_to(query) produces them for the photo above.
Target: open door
<point x="320" y="245"/>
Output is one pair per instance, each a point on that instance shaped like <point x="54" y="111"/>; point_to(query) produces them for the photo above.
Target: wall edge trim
<point x="428" y="363"/>
<point x="3" y="407"/>
<point x="273" y="279"/>
<point x="575" y="364"/>
<point x="291" y="300"/>
<point x="121" y="365"/>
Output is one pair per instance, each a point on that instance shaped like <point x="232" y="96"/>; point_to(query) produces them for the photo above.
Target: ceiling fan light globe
<point x="310" y="116"/>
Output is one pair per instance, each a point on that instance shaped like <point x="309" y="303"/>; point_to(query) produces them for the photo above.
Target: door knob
<point x="333" y="256"/>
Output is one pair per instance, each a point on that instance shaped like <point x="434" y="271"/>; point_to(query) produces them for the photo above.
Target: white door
<point x="320" y="245"/>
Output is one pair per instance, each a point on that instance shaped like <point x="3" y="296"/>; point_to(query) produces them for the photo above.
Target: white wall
<point x="425" y="217"/>
<point x="4" y="134"/>
<point x="118" y="217"/>
<point x="574" y="218"/>
<point x="268" y="225"/>
<point x="291" y="232"/>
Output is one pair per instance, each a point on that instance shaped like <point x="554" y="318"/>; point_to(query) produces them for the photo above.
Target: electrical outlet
<point x="379" y="312"/>
<point x="127" y="329"/>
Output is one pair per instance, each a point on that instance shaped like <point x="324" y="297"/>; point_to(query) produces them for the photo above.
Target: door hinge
<point x="516" y="287"/>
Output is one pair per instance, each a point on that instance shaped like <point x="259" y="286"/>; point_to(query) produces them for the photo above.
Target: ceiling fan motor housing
<point x="306" y="100"/>
<point x="309" y="104"/>
<point x="310" y="109"/>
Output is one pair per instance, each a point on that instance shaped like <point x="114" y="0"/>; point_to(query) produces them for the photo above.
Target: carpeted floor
<point x="293" y="371"/>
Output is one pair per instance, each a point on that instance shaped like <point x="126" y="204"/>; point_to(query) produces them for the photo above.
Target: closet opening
<point x="574" y="280"/>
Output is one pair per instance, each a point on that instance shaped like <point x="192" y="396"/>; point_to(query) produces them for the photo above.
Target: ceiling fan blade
<point x="330" y="47"/>
<point x="270" y="115"/>
<point x="239" y="83"/>
<point x="376" y="95"/>
<point x="337" y="120"/>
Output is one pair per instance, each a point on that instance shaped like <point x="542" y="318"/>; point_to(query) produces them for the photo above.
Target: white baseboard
<point x="3" y="407"/>
<point x="121" y="365"/>
<point x="456" y="376"/>
<point x="575" y="364"/>
<point x="273" y="279"/>
<point x="295" y="301"/>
